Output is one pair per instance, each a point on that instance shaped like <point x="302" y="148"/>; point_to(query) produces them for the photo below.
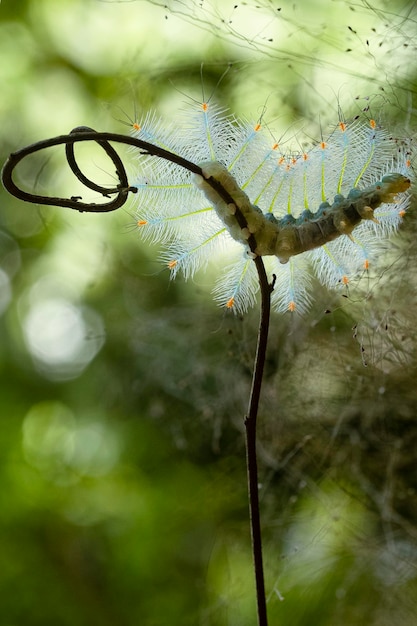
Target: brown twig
<point x="251" y="432"/>
<point x="121" y="191"/>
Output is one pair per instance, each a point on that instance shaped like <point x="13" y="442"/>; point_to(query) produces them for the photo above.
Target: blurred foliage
<point x="122" y="394"/>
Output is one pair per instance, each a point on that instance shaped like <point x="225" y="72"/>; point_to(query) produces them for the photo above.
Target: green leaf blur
<point x="122" y="396"/>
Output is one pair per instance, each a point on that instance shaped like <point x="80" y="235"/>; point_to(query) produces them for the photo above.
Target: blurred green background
<point x="123" y="494"/>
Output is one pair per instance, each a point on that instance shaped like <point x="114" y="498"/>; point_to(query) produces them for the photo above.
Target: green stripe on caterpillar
<point x="289" y="236"/>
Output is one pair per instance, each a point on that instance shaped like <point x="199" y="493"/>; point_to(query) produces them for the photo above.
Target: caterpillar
<point x="296" y="206"/>
<point x="289" y="236"/>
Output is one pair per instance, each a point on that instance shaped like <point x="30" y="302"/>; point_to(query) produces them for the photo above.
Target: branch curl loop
<point x="84" y="133"/>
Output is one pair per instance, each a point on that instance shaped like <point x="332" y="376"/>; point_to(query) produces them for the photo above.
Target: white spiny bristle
<point x="173" y="210"/>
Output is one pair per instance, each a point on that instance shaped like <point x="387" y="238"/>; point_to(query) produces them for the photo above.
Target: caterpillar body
<point x="289" y="236"/>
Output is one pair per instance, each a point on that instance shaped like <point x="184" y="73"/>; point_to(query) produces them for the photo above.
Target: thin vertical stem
<point x="251" y="456"/>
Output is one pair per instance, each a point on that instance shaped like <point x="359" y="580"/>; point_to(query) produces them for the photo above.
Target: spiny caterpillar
<point x="297" y="205"/>
<point x="289" y="236"/>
